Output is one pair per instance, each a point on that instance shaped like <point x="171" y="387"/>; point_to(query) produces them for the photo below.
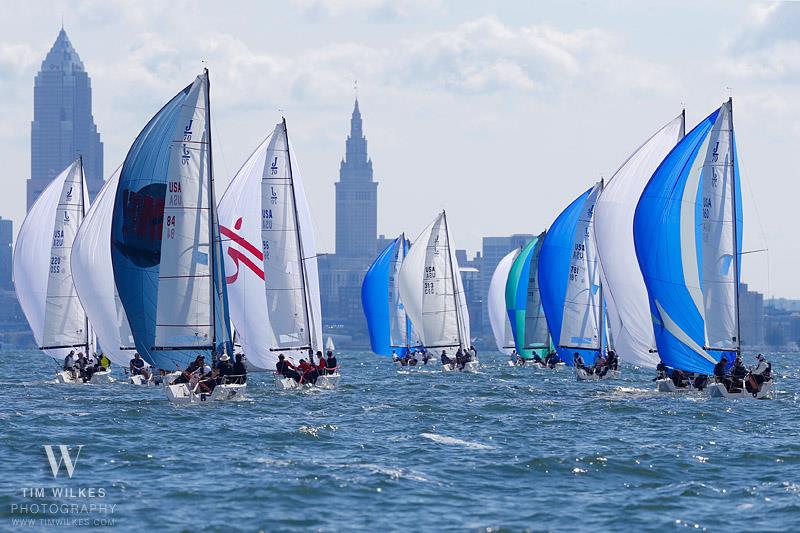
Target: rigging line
<point x="744" y="170"/>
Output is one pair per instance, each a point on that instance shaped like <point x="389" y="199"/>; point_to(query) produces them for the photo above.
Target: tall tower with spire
<point x="63" y="127"/>
<point x="356" y="197"/>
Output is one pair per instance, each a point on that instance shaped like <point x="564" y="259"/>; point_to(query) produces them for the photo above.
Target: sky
<point x="500" y="112"/>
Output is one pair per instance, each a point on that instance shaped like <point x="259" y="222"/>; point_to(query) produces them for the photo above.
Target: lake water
<point x="505" y="449"/>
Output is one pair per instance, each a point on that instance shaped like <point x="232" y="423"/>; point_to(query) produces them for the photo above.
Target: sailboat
<point x="43" y="272"/>
<point x="523" y="303"/>
<point x="165" y="245"/>
<point x="390" y="330"/>
<point x="433" y="293"/>
<point x="624" y="291"/>
<point x="688" y="236"/>
<point x="271" y="255"/>
<point x="571" y="288"/>
<point x="496" y="305"/>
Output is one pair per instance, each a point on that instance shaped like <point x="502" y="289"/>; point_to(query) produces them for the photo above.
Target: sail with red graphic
<point x="270" y="256"/>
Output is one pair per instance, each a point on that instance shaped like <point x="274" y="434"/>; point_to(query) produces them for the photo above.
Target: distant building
<point x="6" y="240"/>
<point x="357" y="242"/>
<point x="751" y="316"/>
<point x="356" y="197"/>
<point x="63" y="127"/>
<point x="471" y="279"/>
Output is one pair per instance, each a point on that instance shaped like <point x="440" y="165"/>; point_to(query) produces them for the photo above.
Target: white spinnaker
<point x="240" y="226"/>
<point x="580" y="326"/>
<point x="93" y="275"/>
<point x="624" y="292"/>
<point x="33" y="257"/>
<point x="185" y="317"/>
<point x="398" y="322"/>
<point x="496" y="303"/>
<point x="717" y="231"/>
<point x="411" y="281"/>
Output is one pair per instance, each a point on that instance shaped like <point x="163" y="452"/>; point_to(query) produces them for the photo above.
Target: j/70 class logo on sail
<point x="66" y="459"/>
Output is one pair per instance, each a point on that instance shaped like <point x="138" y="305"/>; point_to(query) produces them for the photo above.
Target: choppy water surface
<point x="507" y="448"/>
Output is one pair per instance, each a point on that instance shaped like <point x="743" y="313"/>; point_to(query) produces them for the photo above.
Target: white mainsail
<point x="719" y="276"/>
<point x="583" y="309"/>
<point x="496" y="302"/>
<point x="185" y="314"/>
<point x="625" y="294"/>
<point x="93" y="275"/>
<point x="42" y="268"/>
<point x="432" y="291"/>
<point x="273" y="280"/>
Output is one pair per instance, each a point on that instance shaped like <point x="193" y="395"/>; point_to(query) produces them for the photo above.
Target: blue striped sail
<point x="388" y="325"/>
<point x="687" y="233"/>
<point x="555" y="267"/>
<point x="165" y="245"/>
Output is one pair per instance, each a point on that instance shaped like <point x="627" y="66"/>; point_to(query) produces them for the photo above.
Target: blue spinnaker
<point x="554" y="269"/>
<point x="684" y="237"/>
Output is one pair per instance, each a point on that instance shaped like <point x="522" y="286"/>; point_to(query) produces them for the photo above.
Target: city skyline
<point x="478" y="129"/>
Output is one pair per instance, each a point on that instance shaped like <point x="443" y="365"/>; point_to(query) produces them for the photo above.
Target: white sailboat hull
<point x="471" y="367"/>
<point x="668" y="386"/>
<point x="582" y="375"/>
<point x="718" y="390"/>
<point x="180" y="393"/>
<point x="328" y="382"/>
<point x="65" y="376"/>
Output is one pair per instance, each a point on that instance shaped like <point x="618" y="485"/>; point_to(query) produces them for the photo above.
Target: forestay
<point x="625" y="294"/>
<point x="685" y="238"/>
<point x="93" y="275"/>
<point x="42" y="269"/>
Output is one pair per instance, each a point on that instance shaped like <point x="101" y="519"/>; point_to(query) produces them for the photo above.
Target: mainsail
<point x="42" y="267"/>
<point x="165" y="236"/>
<point x="524" y="302"/>
<point x="496" y="304"/>
<point x="625" y="294"/>
<point x="388" y="324"/>
<point x="271" y="255"/>
<point x="687" y="232"/>
<point x="93" y="275"/>
<point x="569" y="277"/>
<point x="431" y="289"/>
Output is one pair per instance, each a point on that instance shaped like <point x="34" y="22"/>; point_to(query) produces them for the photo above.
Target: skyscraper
<point x="356" y="197"/>
<point x="63" y="127"/>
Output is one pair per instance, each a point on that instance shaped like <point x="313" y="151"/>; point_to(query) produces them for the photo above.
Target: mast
<point x="735" y="234"/>
<point x="303" y="275"/>
<point x="83" y="214"/>
<point x="212" y="251"/>
<point x="453" y="276"/>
